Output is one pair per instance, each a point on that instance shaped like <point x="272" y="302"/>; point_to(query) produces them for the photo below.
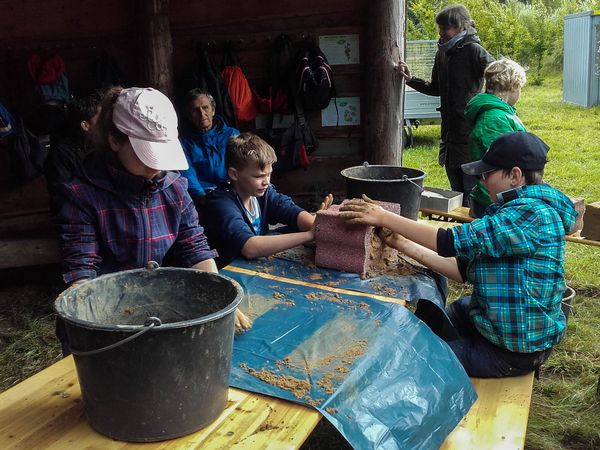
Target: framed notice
<point x="340" y="49"/>
<point x="347" y="112"/>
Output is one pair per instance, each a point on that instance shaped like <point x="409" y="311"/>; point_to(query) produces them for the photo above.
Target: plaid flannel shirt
<point x="516" y="265"/>
<point x="110" y="220"/>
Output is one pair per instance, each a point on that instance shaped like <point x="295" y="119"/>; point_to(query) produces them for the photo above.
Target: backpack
<point x="6" y="122"/>
<point x="314" y="78"/>
<point x="237" y="86"/>
<point x="50" y="81"/>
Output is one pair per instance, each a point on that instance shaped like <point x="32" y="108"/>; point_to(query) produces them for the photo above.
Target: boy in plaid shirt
<point x="513" y="257"/>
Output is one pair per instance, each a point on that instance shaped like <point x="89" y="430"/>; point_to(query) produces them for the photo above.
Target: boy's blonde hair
<point x="246" y="148"/>
<point x="504" y="75"/>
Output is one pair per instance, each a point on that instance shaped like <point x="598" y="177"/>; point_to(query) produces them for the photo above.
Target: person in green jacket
<point x="491" y="114"/>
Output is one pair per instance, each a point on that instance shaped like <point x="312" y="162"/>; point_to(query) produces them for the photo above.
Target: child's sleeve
<point x="514" y="231"/>
<point x="282" y="209"/>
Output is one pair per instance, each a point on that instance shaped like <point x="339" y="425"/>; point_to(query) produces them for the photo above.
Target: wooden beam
<point x="156" y="45"/>
<point x="385" y="91"/>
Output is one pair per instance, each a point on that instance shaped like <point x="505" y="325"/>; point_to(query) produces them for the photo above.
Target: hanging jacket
<point x="457" y="75"/>
<point x="205" y="153"/>
<point x="489" y="116"/>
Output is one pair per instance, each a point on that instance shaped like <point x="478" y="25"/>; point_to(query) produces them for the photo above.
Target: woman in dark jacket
<point x="457" y="76"/>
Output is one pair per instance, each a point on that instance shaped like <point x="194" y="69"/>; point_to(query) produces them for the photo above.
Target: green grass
<point x="565" y="410"/>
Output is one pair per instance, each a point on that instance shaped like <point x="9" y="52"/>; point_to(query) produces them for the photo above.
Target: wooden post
<point x="156" y="44"/>
<point x="385" y="91"/>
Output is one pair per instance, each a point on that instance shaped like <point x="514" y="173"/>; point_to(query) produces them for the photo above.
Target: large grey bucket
<point x="152" y="349"/>
<point x="394" y="184"/>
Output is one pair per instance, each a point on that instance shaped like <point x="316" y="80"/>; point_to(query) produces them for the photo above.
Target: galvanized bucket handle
<point x="150" y="323"/>
<point x="404" y="178"/>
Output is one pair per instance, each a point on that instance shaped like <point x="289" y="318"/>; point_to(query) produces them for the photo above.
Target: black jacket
<point x="457" y="76"/>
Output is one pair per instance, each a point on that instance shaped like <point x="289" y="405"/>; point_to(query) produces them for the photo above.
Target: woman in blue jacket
<point x="204" y="142"/>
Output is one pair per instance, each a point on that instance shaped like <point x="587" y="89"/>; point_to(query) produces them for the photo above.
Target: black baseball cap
<point x="519" y="149"/>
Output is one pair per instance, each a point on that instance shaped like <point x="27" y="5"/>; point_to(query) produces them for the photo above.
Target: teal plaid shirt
<point x="516" y="265"/>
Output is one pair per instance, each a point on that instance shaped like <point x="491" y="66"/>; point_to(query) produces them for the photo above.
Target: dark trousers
<point x="461" y="182"/>
<point x="480" y="357"/>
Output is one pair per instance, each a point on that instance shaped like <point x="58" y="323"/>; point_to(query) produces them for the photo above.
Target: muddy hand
<point x="362" y="211"/>
<point x="326" y="203"/>
<point x="242" y="323"/>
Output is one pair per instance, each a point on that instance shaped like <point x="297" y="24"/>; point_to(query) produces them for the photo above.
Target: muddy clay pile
<point x="385" y="260"/>
<point x="301" y="388"/>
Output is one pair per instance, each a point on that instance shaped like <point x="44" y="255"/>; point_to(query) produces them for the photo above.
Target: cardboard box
<point x="591" y="222"/>
<point x="440" y="199"/>
<point x="579" y="203"/>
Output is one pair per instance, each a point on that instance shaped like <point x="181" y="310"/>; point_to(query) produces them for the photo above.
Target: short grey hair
<point x="197" y="92"/>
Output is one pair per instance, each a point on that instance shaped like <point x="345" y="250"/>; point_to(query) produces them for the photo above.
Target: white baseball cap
<point x="148" y="118"/>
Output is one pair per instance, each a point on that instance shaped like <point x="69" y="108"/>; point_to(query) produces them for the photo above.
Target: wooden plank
<point x="498" y="419"/>
<point x="461" y="215"/>
<point x="29" y="251"/>
<point x="315" y="285"/>
<point x="45" y="411"/>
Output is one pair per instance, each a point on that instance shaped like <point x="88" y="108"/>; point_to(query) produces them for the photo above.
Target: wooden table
<point x="45" y="411"/>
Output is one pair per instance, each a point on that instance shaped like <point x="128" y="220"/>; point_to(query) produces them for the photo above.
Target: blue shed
<point x="581" y="59"/>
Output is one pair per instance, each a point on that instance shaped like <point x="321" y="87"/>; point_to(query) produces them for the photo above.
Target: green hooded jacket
<point x="489" y="116"/>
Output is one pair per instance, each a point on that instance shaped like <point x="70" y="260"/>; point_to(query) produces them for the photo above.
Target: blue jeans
<point x="480" y="357"/>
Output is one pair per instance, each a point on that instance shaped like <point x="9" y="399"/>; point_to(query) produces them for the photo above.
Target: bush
<point x="530" y="33"/>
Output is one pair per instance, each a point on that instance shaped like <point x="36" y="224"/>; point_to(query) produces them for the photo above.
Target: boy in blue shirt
<point x="513" y="257"/>
<point x="237" y="214"/>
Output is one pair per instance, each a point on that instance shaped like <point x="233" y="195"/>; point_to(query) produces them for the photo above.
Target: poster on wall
<point x="347" y="112"/>
<point x="340" y="49"/>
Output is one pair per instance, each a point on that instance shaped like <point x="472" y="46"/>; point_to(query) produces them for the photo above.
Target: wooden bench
<point x="498" y="419"/>
<point x="45" y="411"/>
<point x="461" y="215"/>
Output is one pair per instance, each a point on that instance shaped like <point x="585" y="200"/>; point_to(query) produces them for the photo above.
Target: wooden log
<point x="384" y="112"/>
<point x="156" y="46"/>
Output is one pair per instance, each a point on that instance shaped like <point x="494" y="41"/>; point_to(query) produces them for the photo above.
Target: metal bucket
<point x="567" y="302"/>
<point x="394" y="184"/>
<point x="152" y="349"/>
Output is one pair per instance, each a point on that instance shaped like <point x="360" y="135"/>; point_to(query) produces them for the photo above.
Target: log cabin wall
<point x="252" y="27"/>
<point x="80" y="30"/>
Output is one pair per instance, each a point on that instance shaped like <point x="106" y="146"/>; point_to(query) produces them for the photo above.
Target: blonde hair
<point x="504" y="75"/>
<point x="247" y="148"/>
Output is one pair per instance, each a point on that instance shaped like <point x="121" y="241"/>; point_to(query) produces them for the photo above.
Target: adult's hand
<point x="404" y="71"/>
<point x="363" y="212"/>
<point x="242" y="323"/>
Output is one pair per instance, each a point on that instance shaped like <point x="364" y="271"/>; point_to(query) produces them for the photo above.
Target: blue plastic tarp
<point x="298" y="263"/>
<point x="379" y="374"/>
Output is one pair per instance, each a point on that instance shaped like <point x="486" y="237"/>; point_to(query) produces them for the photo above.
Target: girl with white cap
<point x="128" y="205"/>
